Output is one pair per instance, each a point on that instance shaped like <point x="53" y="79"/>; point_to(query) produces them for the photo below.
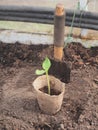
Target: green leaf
<point x="39" y="72"/>
<point x="46" y="64"/>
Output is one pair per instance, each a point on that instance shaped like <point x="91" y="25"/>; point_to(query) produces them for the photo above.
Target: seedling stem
<point x="45" y="68"/>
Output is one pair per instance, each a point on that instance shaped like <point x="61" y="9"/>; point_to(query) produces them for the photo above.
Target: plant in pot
<point x="49" y="90"/>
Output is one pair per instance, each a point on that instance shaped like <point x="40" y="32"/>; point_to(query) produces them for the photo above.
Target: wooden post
<point x="59" y="27"/>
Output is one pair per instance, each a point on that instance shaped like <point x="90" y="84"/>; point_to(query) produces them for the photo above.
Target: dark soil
<point x="53" y="91"/>
<point x="17" y="54"/>
<point x="80" y="56"/>
<point x="18" y="106"/>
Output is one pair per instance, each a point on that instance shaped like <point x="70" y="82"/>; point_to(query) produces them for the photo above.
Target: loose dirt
<point x="18" y="105"/>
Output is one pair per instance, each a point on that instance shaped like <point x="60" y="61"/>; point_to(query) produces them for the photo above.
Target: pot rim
<point x="62" y="91"/>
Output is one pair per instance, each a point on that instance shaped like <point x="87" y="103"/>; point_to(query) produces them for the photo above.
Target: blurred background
<point x="29" y="27"/>
<point x="36" y="28"/>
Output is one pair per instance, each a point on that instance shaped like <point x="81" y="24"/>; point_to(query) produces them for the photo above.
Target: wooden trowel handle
<point x="59" y="24"/>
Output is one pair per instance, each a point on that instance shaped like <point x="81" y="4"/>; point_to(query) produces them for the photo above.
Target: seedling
<point x="45" y="68"/>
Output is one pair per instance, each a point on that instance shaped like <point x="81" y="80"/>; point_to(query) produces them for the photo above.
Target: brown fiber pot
<point x="49" y="104"/>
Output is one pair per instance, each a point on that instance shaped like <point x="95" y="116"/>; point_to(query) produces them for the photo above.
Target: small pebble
<point x="62" y="126"/>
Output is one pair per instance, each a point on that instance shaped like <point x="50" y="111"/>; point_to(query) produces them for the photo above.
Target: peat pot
<point x="49" y="104"/>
